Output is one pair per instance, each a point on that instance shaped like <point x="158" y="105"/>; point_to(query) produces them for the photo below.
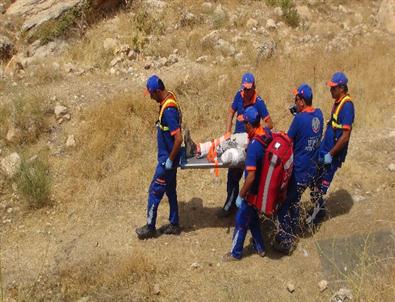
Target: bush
<point x="26" y="113"/>
<point x="34" y="182"/>
<point x="290" y="14"/>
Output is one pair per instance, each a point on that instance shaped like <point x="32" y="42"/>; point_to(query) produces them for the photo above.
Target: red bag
<point x="275" y="174"/>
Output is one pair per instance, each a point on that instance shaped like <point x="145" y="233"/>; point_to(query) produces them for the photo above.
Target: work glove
<point x="328" y="159"/>
<point x="168" y="164"/>
<point x="239" y="201"/>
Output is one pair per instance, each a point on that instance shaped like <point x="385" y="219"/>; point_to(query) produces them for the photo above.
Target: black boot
<point x="145" y="232"/>
<point x="190" y="146"/>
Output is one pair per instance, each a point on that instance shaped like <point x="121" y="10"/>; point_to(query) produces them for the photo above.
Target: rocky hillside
<point x="77" y="147"/>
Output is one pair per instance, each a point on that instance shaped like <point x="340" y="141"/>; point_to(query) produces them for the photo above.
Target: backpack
<point x="276" y="172"/>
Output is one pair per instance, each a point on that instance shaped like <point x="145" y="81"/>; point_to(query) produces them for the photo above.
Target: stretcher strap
<point x="212" y="156"/>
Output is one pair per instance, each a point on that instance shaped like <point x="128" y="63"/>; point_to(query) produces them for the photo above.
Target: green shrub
<point x="27" y="114"/>
<point x="290" y="14"/>
<point x="33" y="181"/>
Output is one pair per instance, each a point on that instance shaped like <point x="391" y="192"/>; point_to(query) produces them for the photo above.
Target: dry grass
<point x="116" y="154"/>
<point x="26" y="113"/>
<point x="104" y="278"/>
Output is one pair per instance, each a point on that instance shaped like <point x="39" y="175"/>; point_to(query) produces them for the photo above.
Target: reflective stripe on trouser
<point x="232" y="187"/>
<point x="288" y="213"/>
<point x="164" y="181"/>
<point x="246" y="218"/>
<point x="327" y="176"/>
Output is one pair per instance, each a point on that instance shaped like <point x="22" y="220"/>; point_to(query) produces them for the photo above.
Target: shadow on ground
<point x="194" y="216"/>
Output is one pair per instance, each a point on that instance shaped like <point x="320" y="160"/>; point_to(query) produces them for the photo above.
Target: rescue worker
<point x="169" y="140"/>
<point x="247" y="216"/>
<point x="244" y="98"/>
<point x="306" y="132"/>
<point x="334" y="146"/>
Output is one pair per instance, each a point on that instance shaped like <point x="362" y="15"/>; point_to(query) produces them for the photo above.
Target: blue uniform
<point x="165" y="181"/>
<point x="305" y="131"/>
<point x="235" y="174"/>
<point x="345" y="119"/>
<point x="247" y="216"/>
<point x="239" y="107"/>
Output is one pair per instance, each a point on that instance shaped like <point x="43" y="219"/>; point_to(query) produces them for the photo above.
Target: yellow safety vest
<point x="170" y="102"/>
<point x="335" y="113"/>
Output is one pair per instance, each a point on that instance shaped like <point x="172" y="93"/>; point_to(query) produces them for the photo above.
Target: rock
<point x="357" y="18"/>
<point x="358" y="198"/>
<point x="34" y="13"/>
<point x="304" y="12"/>
<point x="60" y="111"/>
<point x="157" y="4"/>
<point x="271" y="24"/>
<point x="9" y="210"/>
<point x="13" y="135"/>
<point x="84" y="299"/>
<point x="2" y="8"/>
<point x="219" y="13"/>
<point x="132" y="55"/>
<point x="70" y="143"/>
<point x="342" y="295"/>
<point x="392" y="133"/>
<point x="207" y="7"/>
<point x="225" y="47"/>
<point x="202" y="59"/>
<point x="267" y="49"/>
<point x="109" y="44"/>
<point x="290" y="287"/>
<point x="44" y="50"/>
<point x="251" y="23"/>
<point x="69" y="67"/>
<point x="323" y="285"/>
<point x="278" y="11"/>
<point x="156" y="289"/>
<point x="391" y="167"/>
<point x="386" y="16"/>
<point x="172" y="59"/>
<point x="115" y="61"/>
<point x="209" y="40"/>
<point x="195" y="265"/>
<point x="147" y="66"/>
<point x="11" y="164"/>
<point x="342" y="9"/>
<point x="187" y="19"/>
<point x="6" y="48"/>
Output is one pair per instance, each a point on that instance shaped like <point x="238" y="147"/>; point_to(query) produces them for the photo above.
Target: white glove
<point x="239" y="201"/>
<point x="168" y="164"/>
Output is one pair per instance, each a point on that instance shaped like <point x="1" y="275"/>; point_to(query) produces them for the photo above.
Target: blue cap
<point x="154" y="83"/>
<point x="304" y="91"/>
<point x="251" y="115"/>
<point x="247" y="80"/>
<point x="339" y="78"/>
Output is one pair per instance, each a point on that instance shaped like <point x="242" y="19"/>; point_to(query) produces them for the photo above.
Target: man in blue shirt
<point x="247" y="216"/>
<point x="334" y="146"/>
<point x="305" y="132"/>
<point x="244" y="98"/>
<point x="169" y="140"/>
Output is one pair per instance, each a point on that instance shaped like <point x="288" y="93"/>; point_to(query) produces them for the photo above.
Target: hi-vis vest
<point x="170" y="102"/>
<point x="333" y="122"/>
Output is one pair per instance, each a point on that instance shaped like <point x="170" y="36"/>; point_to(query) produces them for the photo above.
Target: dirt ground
<point x="83" y="247"/>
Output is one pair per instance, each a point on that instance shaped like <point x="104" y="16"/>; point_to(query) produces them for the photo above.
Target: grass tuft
<point x="34" y="182"/>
